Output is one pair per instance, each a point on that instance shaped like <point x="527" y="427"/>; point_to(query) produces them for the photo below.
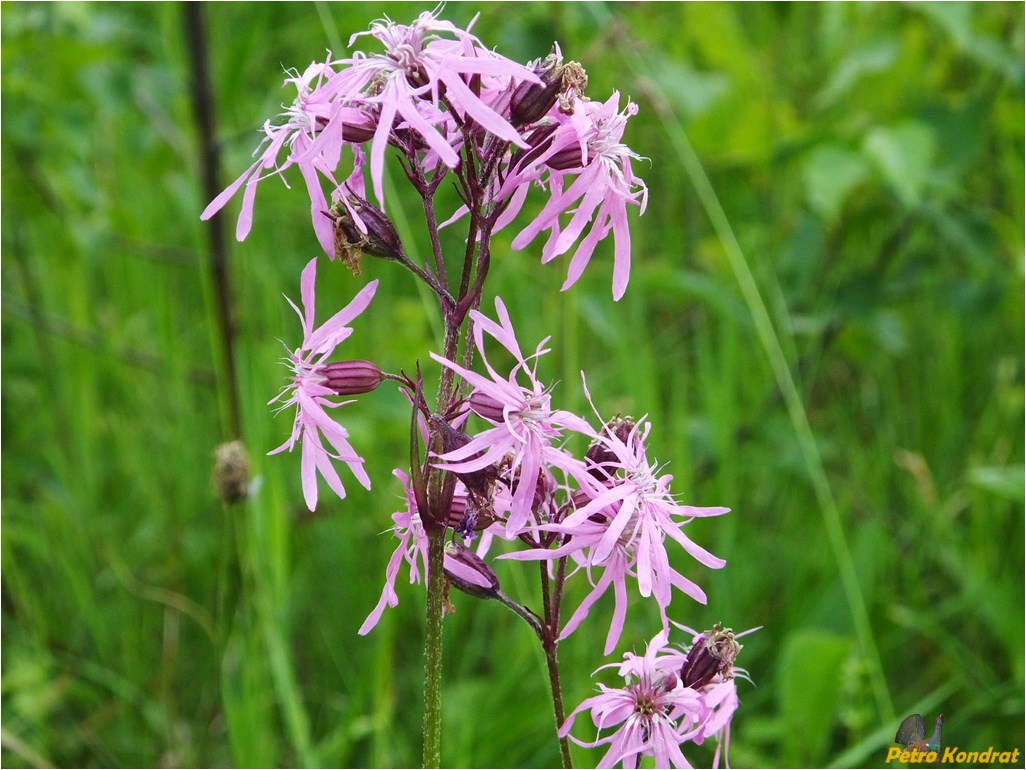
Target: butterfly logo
<point x="912" y="731"/>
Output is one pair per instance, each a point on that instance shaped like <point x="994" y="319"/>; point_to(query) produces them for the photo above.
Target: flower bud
<point x="565" y="159"/>
<point x="347" y="378"/>
<point x="530" y="101"/>
<point x="468" y="572"/>
<point x="357" y="125"/>
<point x="231" y="471"/>
<point x="713" y="653"/>
<point x="538" y="140"/>
<point x="485" y="406"/>
<point x="469" y="515"/>
<point x="599" y="455"/>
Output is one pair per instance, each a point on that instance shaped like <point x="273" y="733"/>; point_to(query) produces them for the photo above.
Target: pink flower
<point x="625" y="511"/>
<point x="656" y="710"/>
<point x="311" y="110"/>
<point x="526" y="426"/>
<point x="412" y="548"/>
<point x="310" y="389"/>
<point x="584" y="147"/>
<point x="348" y="101"/>
<point x="648" y="708"/>
<point x="419" y="67"/>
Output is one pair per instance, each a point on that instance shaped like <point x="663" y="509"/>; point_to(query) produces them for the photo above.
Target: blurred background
<point x="824" y="325"/>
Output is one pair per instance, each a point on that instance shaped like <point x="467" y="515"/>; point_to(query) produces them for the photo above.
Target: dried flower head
<point x="231" y="471"/>
<point x="711" y="655"/>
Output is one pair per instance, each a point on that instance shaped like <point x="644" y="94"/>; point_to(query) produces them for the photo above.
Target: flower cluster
<point x="668" y="697"/>
<point x="611" y="511"/>
<point x="623" y="516"/>
<point x="436" y="92"/>
<point x="505" y="467"/>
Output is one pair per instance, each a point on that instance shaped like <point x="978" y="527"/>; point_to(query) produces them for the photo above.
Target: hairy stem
<point x="559" y="712"/>
<point x="525" y="614"/>
<point x="433" y="649"/>
<point x="435" y="524"/>
<point x="439" y="484"/>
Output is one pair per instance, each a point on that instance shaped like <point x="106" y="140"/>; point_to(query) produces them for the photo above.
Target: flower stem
<point x="525" y="614"/>
<point x="439" y="485"/>
<point x="436" y="530"/>
<point x="550" y="643"/>
<point x="433" y="649"/>
<point x="557" y="701"/>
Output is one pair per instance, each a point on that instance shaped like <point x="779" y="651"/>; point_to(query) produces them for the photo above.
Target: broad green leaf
<point x="869" y="60"/>
<point x="903" y="154"/>
<point x="831" y="172"/>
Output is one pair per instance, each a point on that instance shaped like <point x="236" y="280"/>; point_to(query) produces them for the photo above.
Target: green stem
<point x="439" y="484"/>
<point x="435" y="524"/>
<point x="433" y="649"/>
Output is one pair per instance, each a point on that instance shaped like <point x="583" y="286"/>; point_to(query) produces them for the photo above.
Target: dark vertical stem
<point x="436" y="246"/>
<point x="231" y="590"/>
<point x="550" y="644"/>
<point x="203" y="109"/>
<point x="559" y="712"/>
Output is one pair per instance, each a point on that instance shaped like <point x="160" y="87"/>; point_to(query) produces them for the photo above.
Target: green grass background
<point x="824" y="324"/>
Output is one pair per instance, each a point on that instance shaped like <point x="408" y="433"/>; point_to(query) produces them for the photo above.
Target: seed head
<point x="231" y="471"/>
